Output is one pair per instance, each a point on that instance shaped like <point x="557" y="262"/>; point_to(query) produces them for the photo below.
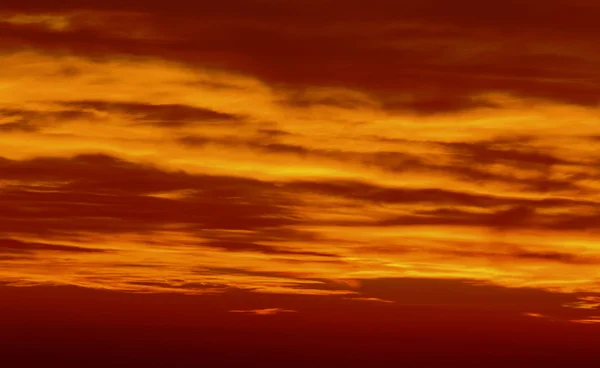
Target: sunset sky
<point x="270" y="183"/>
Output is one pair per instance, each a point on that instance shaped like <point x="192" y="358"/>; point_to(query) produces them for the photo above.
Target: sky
<point x="292" y="183"/>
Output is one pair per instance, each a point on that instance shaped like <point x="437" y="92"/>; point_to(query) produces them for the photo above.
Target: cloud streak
<point x="264" y="312"/>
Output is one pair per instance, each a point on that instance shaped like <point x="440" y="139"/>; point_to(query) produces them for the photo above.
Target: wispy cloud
<point x="372" y="299"/>
<point x="264" y="312"/>
<point x="182" y="143"/>
<point x="534" y="315"/>
<point x="588" y="321"/>
<point x="585" y="302"/>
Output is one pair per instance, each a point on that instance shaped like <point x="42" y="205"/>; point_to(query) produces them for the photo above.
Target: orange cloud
<point x="588" y="321"/>
<point x="142" y="152"/>
<point x="585" y="302"/>
<point x="535" y="315"/>
<point x="264" y="312"/>
<point x="373" y="300"/>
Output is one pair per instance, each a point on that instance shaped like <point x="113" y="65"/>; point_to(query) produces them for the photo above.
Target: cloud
<point x="237" y="246"/>
<point x="98" y="192"/>
<point x="534" y="315"/>
<point x="21" y="247"/>
<point x="370" y="299"/>
<point x="587" y="321"/>
<point x="22" y="120"/>
<point x="264" y="312"/>
<point x="432" y="57"/>
<point x="585" y="302"/>
<point x="94" y="196"/>
<point x="167" y="115"/>
<point x="413" y="140"/>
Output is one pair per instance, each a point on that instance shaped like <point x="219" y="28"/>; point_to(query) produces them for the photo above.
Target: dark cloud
<point x="16" y="127"/>
<point x="518" y="255"/>
<point x="462" y="292"/>
<point x="104" y="194"/>
<point x="302" y="98"/>
<point x="235" y="271"/>
<point x="299" y="280"/>
<point x="552" y="256"/>
<point x="442" y="197"/>
<point x="242" y="246"/>
<point x="182" y="286"/>
<point x="522" y="215"/>
<point x="534" y="14"/>
<point x="264" y="143"/>
<point x="427" y="57"/>
<point x="168" y="115"/>
<point x="22" y="247"/>
<point x="99" y="173"/>
<point x="468" y="161"/>
<point x="504" y="151"/>
<point x="577" y="222"/>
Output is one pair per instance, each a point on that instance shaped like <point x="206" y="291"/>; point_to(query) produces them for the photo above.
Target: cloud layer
<point x="299" y="148"/>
